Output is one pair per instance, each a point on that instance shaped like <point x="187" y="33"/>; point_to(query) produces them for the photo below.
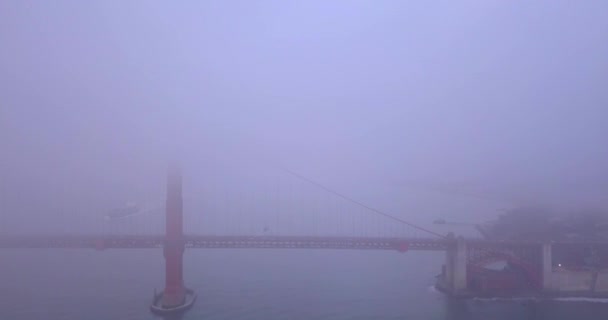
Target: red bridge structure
<point x="527" y="267"/>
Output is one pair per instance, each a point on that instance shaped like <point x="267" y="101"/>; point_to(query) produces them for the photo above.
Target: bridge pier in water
<point x="453" y="278"/>
<point x="546" y="266"/>
<point x="175" y="297"/>
<point x="468" y="269"/>
<point x="476" y="268"/>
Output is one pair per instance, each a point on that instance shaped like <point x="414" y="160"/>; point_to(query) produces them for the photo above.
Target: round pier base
<point x="158" y="308"/>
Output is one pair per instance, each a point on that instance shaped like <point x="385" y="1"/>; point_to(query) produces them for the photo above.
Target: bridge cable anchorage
<point x="361" y="204"/>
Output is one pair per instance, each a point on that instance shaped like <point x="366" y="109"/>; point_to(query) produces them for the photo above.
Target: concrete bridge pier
<point x="546" y="267"/>
<point x="453" y="279"/>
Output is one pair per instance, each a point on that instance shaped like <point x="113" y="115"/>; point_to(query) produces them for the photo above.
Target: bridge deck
<point x="235" y="242"/>
<point x="227" y="242"/>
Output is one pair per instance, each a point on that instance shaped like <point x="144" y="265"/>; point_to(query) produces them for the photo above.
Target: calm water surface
<point x="250" y="284"/>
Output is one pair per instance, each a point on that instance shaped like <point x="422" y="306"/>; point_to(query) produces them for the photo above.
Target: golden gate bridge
<point x="267" y="221"/>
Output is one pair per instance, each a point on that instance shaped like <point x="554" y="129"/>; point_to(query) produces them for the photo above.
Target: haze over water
<point x="246" y="284"/>
<point x="443" y="110"/>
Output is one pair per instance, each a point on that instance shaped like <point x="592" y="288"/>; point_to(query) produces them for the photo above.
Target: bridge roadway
<point x="261" y="242"/>
<point x="227" y="242"/>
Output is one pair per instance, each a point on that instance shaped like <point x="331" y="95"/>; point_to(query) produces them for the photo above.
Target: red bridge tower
<point x="175" y="297"/>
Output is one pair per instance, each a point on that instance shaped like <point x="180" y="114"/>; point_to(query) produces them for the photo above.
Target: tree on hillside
<point x="525" y="223"/>
<point x="586" y="225"/>
<point x="539" y="224"/>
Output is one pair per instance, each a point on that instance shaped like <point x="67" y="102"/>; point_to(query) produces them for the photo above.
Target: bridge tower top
<point x="174" y="204"/>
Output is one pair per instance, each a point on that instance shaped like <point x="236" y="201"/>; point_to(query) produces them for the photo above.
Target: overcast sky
<point x="503" y="99"/>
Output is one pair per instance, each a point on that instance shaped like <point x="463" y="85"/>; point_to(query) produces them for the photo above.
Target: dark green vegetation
<point x="535" y="224"/>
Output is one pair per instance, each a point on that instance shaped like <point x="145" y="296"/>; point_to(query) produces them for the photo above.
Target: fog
<point x="421" y="109"/>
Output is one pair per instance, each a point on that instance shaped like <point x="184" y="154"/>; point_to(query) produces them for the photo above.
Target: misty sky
<point x="498" y="98"/>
